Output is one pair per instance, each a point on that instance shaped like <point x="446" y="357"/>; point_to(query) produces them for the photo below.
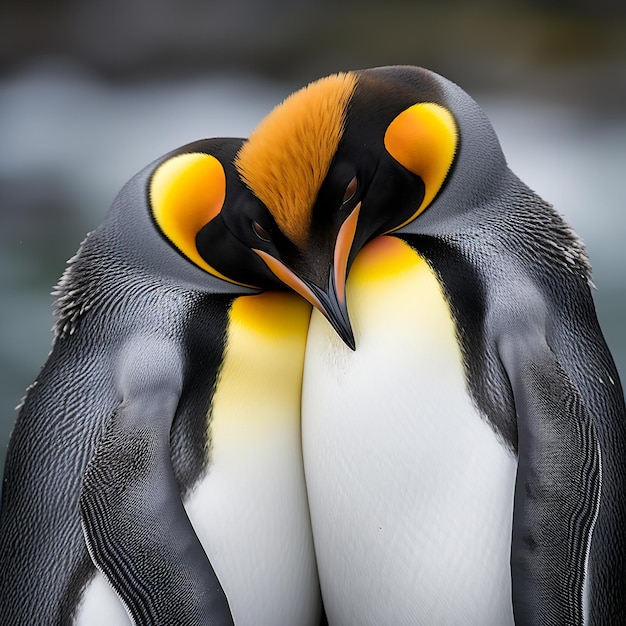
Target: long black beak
<point x="335" y="311"/>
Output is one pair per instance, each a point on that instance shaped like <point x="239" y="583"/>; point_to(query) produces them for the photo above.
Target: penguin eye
<point x="260" y="232"/>
<point x="348" y="194"/>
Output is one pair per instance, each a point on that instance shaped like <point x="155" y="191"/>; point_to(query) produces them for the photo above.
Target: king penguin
<point x="463" y="424"/>
<point x="154" y="475"/>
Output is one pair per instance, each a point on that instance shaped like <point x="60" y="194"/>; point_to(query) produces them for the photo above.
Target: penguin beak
<point x="336" y="312"/>
<point x="331" y="302"/>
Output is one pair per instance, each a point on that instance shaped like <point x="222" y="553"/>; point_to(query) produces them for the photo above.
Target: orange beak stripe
<point x="343" y="245"/>
<point x="285" y="275"/>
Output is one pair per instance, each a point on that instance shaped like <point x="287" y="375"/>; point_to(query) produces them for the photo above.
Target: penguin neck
<point x="104" y="273"/>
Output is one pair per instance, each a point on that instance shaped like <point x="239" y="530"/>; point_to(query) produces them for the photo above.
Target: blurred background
<point x="92" y="91"/>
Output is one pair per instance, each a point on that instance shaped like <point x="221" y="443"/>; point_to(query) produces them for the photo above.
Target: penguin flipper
<point x="137" y="531"/>
<point x="557" y="488"/>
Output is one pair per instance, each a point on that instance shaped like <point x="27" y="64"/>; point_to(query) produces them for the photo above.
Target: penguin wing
<point x="134" y="523"/>
<point x="557" y="492"/>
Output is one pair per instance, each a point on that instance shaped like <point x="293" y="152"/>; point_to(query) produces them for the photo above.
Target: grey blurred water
<point x="69" y="141"/>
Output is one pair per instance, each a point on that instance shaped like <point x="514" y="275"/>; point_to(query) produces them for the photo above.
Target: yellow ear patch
<point x="288" y="156"/>
<point x="424" y="138"/>
<point x="186" y="193"/>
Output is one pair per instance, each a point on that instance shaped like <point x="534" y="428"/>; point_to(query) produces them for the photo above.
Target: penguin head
<point x="189" y="190"/>
<point x="347" y="158"/>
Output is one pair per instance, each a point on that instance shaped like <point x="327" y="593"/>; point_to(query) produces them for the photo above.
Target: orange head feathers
<point x="288" y="155"/>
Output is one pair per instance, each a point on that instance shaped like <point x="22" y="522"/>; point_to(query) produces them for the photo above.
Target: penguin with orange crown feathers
<point x="463" y="430"/>
<point x="463" y="424"/>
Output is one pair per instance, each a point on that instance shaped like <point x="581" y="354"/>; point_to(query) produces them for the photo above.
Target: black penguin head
<point x="345" y="159"/>
<point x="188" y="191"/>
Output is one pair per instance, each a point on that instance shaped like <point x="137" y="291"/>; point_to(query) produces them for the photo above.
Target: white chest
<point x="410" y="491"/>
<point x="251" y="511"/>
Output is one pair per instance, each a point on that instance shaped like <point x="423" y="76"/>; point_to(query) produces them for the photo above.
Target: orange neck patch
<point x="288" y="155"/>
<point x="424" y="139"/>
<point x="186" y="192"/>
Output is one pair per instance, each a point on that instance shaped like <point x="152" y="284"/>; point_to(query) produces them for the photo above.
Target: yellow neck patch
<point x="186" y="193"/>
<point x="288" y="155"/>
<point x="424" y="138"/>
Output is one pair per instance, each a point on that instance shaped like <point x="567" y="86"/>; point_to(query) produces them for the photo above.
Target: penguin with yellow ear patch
<point x="155" y="470"/>
<point x="463" y="425"/>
